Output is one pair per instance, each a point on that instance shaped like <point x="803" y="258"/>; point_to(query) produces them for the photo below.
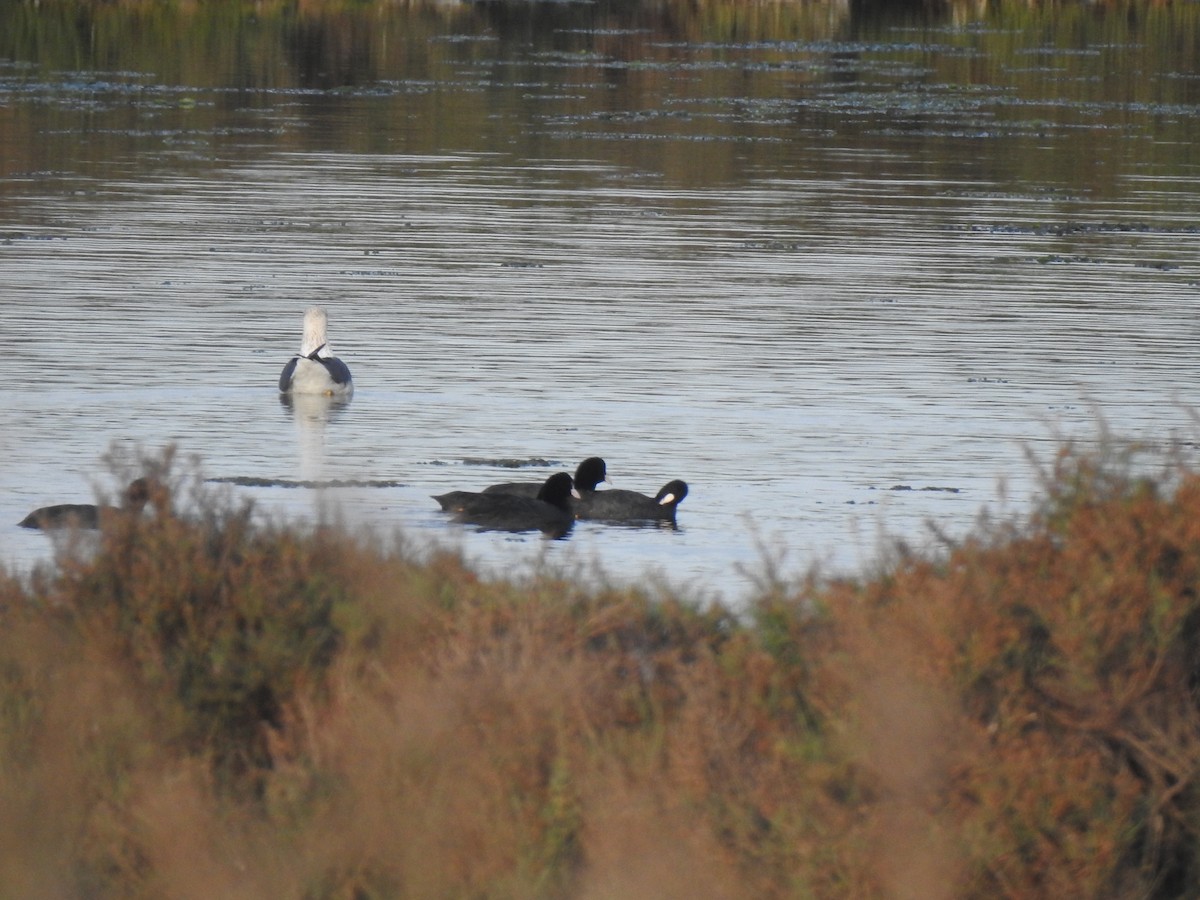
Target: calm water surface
<point x="841" y="276"/>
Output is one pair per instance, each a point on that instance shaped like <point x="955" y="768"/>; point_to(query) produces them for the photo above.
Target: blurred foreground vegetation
<point x="206" y="707"/>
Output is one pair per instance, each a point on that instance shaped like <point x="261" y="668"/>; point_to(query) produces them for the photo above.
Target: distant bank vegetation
<point x="751" y="19"/>
<point x="203" y="706"/>
<point x="204" y="71"/>
<point x="324" y="6"/>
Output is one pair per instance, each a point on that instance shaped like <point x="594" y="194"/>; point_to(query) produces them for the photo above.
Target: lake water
<point x="840" y="272"/>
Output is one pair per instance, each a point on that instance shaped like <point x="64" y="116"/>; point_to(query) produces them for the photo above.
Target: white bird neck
<point x="315" y="321"/>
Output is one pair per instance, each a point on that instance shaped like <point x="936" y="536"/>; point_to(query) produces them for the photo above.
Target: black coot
<point x="588" y="474"/>
<point x="630" y="506"/>
<point x="87" y="515"/>
<point x="549" y="512"/>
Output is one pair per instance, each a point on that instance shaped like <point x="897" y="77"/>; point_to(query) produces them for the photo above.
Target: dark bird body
<point x="550" y="512"/>
<point x="66" y="515"/>
<point x="87" y="515"/>
<point x="588" y="475"/>
<point x="630" y="506"/>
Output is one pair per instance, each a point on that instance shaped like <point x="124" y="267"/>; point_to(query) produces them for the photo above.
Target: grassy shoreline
<point x="211" y="708"/>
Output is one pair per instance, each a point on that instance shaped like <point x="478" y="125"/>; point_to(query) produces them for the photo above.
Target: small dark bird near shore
<point x="89" y="515"/>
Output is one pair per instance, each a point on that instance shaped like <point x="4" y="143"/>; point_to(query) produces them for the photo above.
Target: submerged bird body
<point x="588" y="475"/>
<point x="549" y="512"/>
<point x="630" y="506"/>
<point x="315" y="370"/>
<point x="88" y="515"/>
<point x="65" y="515"/>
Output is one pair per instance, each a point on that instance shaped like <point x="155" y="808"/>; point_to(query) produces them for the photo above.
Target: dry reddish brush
<point x="209" y="707"/>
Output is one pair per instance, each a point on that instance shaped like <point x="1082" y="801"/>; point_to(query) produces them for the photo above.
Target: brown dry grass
<point x="207" y="708"/>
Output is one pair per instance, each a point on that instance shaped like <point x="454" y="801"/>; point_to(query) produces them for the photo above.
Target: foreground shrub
<point x="208" y="707"/>
<point x="1065" y="659"/>
<point x="226" y="619"/>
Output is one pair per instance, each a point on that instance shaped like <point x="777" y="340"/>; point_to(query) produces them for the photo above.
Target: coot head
<point x="558" y="490"/>
<point x="589" y="473"/>
<point x="672" y="493"/>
